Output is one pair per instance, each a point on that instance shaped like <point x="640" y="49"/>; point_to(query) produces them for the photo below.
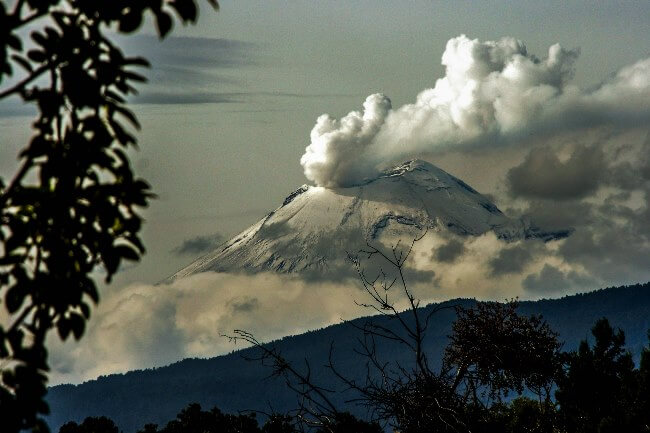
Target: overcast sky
<point x="231" y="102"/>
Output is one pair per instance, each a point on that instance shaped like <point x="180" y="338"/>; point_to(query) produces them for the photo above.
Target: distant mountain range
<point x="315" y="226"/>
<point x="234" y="384"/>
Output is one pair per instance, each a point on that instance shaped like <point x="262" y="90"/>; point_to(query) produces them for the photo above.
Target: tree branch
<point x="21" y="84"/>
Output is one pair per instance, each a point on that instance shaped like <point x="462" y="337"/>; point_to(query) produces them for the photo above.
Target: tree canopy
<point x="72" y="205"/>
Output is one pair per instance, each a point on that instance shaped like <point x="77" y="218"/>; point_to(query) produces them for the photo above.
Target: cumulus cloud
<point x="543" y="175"/>
<point x="450" y="251"/>
<point x="602" y="191"/>
<point x="199" y="244"/>
<point x="578" y="165"/>
<point x="143" y="326"/>
<point x="512" y="260"/>
<point x="492" y="92"/>
<point x="551" y="281"/>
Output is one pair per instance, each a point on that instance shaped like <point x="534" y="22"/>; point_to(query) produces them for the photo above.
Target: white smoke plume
<point x="492" y="92"/>
<point x="331" y="158"/>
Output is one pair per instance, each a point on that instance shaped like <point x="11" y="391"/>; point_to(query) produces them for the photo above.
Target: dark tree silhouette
<point x="100" y="424"/>
<point x="493" y="351"/>
<point x="193" y="419"/>
<point x="72" y="204"/>
<point x="600" y="390"/>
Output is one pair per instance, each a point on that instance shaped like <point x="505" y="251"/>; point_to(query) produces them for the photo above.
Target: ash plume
<point x="493" y="92"/>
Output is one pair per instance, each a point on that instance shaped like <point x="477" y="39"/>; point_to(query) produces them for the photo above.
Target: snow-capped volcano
<point x="315" y="226"/>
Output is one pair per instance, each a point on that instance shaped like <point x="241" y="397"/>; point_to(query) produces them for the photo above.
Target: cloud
<point x="615" y="247"/>
<point x="449" y="252"/>
<point x="199" y="244"/>
<point x="552" y="281"/>
<point x="579" y="165"/>
<point x="168" y="98"/>
<point x="492" y="92"/>
<point x="597" y="184"/>
<point x="194" y="64"/>
<point x="191" y="52"/>
<point x="143" y="326"/>
<point x="543" y="175"/>
<point x="513" y="259"/>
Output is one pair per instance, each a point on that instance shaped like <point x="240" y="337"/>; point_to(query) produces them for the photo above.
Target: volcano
<point x="314" y="227"/>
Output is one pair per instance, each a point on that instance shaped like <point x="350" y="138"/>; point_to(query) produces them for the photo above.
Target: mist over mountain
<point x="233" y="384"/>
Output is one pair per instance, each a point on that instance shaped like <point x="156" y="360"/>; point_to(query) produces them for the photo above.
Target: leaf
<point x="14" y="42"/>
<point x="121" y="135"/>
<point x="22" y="62"/>
<point x="4" y="352"/>
<point x="10" y="259"/>
<point x="137" y="61"/>
<point x="39" y="38"/>
<point x="78" y="325"/>
<point x="115" y="97"/>
<point x="92" y="292"/>
<point x="128" y="114"/>
<point x="15" y="297"/>
<point x="111" y="262"/>
<point x="36" y="56"/>
<point x="85" y="310"/>
<point x="127" y="252"/>
<point x="130" y="22"/>
<point x="186" y="9"/>
<point x="134" y="76"/>
<point x="63" y="328"/>
<point x="163" y="23"/>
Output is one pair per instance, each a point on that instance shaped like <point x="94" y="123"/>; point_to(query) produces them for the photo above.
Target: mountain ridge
<point x="156" y="395"/>
<point x="314" y="226"/>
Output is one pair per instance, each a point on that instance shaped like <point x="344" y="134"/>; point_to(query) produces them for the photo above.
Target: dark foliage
<point x="601" y="390"/>
<point x="344" y="422"/>
<point x="493" y="348"/>
<point x="100" y="424"/>
<point x="72" y="205"/>
<point x="193" y="419"/>
<point x="521" y="415"/>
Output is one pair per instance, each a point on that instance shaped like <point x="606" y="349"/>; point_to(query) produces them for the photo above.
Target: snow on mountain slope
<point x="315" y="226"/>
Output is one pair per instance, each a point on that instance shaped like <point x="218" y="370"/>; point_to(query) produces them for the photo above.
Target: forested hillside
<point x="234" y="384"/>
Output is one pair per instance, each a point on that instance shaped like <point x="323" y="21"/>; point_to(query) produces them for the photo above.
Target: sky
<point x="232" y="104"/>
